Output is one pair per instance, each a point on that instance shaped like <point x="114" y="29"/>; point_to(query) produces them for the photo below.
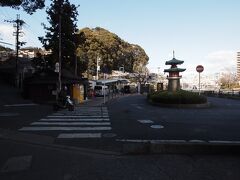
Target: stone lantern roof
<point x="175" y="69"/>
<point x="174" y="61"/>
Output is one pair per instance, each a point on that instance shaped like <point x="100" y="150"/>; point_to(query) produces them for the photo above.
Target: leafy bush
<point x="179" y="97"/>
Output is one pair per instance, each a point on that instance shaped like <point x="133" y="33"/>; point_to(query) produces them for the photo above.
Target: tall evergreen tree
<point x="30" y="6"/>
<point x="68" y="14"/>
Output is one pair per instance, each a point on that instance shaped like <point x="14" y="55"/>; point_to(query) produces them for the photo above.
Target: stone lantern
<point x="174" y="77"/>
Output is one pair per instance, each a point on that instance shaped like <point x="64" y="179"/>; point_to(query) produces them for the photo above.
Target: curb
<point x="204" y="105"/>
<point x="217" y="147"/>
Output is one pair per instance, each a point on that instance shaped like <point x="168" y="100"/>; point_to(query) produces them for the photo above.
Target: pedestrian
<point x="122" y="91"/>
<point x="63" y="95"/>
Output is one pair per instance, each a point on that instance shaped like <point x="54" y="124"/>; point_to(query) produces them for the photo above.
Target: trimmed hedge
<point x="178" y="97"/>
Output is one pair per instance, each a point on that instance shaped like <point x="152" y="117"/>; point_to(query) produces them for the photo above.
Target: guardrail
<point x="222" y="93"/>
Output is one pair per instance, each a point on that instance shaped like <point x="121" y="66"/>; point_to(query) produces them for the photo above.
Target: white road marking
<point x="151" y="141"/>
<point x="77" y="116"/>
<point x="84" y="123"/>
<point x="73" y="123"/>
<point x="72" y="119"/>
<point x="157" y="126"/>
<point x="80" y="135"/>
<point x="139" y="107"/>
<point x="168" y="141"/>
<point x="133" y="140"/>
<point x="176" y="141"/>
<point x="65" y="128"/>
<point x="90" y="110"/>
<point x="58" y="114"/>
<point x="85" y="115"/>
<point x="145" y="121"/>
<point x="19" y="105"/>
<point x="93" y="111"/>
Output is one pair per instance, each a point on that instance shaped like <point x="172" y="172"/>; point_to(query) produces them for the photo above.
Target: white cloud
<point x="219" y="61"/>
<point x="222" y="57"/>
<point x="214" y="62"/>
<point x="6" y="33"/>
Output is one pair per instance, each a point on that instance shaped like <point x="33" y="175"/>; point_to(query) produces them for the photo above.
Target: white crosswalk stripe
<point x="76" y="116"/>
<point x="83" y="122"/>
<point x="72" y="123"/>
<point x="63" y="128"/>
<point x="73" y="119"/>
<point x="79" y="135"/>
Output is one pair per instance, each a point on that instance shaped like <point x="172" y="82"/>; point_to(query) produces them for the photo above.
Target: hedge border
<point x="203" y="105"/>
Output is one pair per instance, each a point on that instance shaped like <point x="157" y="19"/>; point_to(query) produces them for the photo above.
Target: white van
<point x="100" y="90"/>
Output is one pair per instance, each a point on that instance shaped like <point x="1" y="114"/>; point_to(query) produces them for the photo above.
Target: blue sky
<point x="200" y="31"/>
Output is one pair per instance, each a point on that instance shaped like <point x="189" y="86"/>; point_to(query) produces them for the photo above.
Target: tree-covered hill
<point x="112" y="51"/>
<point x="5" y="49"/>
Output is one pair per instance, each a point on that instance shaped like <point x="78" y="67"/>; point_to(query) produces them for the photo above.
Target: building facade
<point x="238" y="66"/>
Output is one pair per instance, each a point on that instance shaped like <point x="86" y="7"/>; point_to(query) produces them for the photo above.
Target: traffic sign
<point x="199" y="68"/>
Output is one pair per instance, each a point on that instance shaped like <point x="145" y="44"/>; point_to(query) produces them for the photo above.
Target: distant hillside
<point x="5" y="49"/>
<point x="112" y="51"/>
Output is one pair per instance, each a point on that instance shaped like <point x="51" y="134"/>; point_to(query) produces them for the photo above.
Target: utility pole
<point x="60" y="50"/>
<point x="98" y="67"/>
<point x="17" y="24"/>
<point x="60" y="46"/>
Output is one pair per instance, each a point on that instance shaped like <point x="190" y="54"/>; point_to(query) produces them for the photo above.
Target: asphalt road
<point x="125" y="119"/>
<point x="26" y="155"/>
<point x="220" y="122"/>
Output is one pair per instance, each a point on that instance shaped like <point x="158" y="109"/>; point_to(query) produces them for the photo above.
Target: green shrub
<point x="179" y="97"/>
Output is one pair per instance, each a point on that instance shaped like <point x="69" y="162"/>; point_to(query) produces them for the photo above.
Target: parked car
<point x="100" y="90"/>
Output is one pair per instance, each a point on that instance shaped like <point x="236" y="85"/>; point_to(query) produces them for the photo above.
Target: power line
<point x="6" y="43"/>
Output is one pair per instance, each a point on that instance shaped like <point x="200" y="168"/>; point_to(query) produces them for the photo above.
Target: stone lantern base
<point x="173" y="84"/>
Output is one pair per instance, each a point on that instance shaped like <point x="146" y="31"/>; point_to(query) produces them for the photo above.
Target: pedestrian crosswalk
<point x="84" y="122"/>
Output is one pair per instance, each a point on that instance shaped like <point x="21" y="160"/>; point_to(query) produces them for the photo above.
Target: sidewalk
<point x="99" y="101"/>
<point x="24" y="161"/>
<point x="37" y="162"/>
<point x="94" y="101"/>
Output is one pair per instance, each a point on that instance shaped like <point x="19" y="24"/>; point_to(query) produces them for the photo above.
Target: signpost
<point x="199" y="69"/>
